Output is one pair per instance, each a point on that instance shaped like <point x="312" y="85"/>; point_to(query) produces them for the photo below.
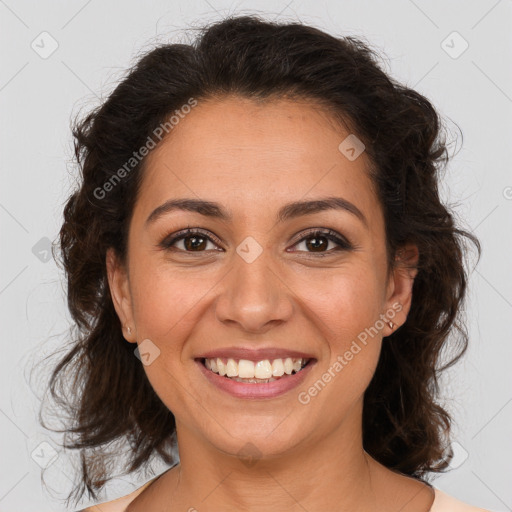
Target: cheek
<point x="348" y="306"/>
<point x="167" y="300"/>
<point x="346" y="302"/>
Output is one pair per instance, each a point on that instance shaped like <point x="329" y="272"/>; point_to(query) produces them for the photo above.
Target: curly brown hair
<point x="110" y="397"/>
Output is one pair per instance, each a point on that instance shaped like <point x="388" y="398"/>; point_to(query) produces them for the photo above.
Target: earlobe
<point x="120" y="293"/>
<point x="401" y="284"/>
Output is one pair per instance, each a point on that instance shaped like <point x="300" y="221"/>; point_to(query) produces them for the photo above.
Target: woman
<point x="264" y="275"/>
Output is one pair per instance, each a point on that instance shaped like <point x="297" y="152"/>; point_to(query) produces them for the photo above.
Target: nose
<point x="253" y="295"/>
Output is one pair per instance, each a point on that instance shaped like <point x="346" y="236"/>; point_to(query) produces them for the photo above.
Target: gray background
<point x="96" y="41"/>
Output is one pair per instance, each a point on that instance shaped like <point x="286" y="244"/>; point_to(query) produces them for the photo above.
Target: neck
<point x="333" y="472"/>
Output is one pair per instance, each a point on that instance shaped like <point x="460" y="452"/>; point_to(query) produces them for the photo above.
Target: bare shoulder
<point x="119" y="504"/>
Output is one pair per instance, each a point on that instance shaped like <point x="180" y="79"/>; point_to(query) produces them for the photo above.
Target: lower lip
<point x="252" y="390"/>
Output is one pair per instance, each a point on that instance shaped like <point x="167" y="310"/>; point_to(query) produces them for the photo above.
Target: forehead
<point x="247" y="154"/>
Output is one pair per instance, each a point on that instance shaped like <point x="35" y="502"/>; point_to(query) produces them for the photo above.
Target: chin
<point x="258" y="438"/>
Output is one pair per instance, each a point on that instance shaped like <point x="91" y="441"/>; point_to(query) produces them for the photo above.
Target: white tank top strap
<point x="445" y="503"/>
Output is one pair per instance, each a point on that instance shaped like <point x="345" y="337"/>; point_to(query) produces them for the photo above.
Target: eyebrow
<point x="287" y="212"/>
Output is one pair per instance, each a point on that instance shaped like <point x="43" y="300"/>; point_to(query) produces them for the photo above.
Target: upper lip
<point x="252" y="354"/>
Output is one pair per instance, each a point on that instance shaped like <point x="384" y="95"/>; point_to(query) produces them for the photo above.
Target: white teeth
<point x="254" y="381"/>
<point x="246" y="369"/>
<point x="263" y="369"/>
<point x="277" y="368"/>
<point x="232" y="368"/>
<point x="221" y="367"/>
<point x="249" y="371"/>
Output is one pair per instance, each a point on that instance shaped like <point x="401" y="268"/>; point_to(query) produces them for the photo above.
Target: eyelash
<point x="343" y="244"/>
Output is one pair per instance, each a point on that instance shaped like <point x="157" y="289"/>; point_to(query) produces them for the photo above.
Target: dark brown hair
<point x="109" y="397"/>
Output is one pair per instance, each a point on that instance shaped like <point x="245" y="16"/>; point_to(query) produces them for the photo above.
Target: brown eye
<point x="192" y="241"/>
<point x="318" y="242"/>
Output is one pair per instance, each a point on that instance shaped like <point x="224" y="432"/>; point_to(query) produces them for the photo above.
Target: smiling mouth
<point x="255" y="372"/>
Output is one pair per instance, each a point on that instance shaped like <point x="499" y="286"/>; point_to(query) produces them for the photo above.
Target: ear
<point x="120" y="292"/>
<point x="399" y="290"/>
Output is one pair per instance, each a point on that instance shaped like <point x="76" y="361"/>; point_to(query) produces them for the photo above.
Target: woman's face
<point x="255" y="285"/>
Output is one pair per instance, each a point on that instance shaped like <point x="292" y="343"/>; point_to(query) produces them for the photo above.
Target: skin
<point x="253" y="158"/>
